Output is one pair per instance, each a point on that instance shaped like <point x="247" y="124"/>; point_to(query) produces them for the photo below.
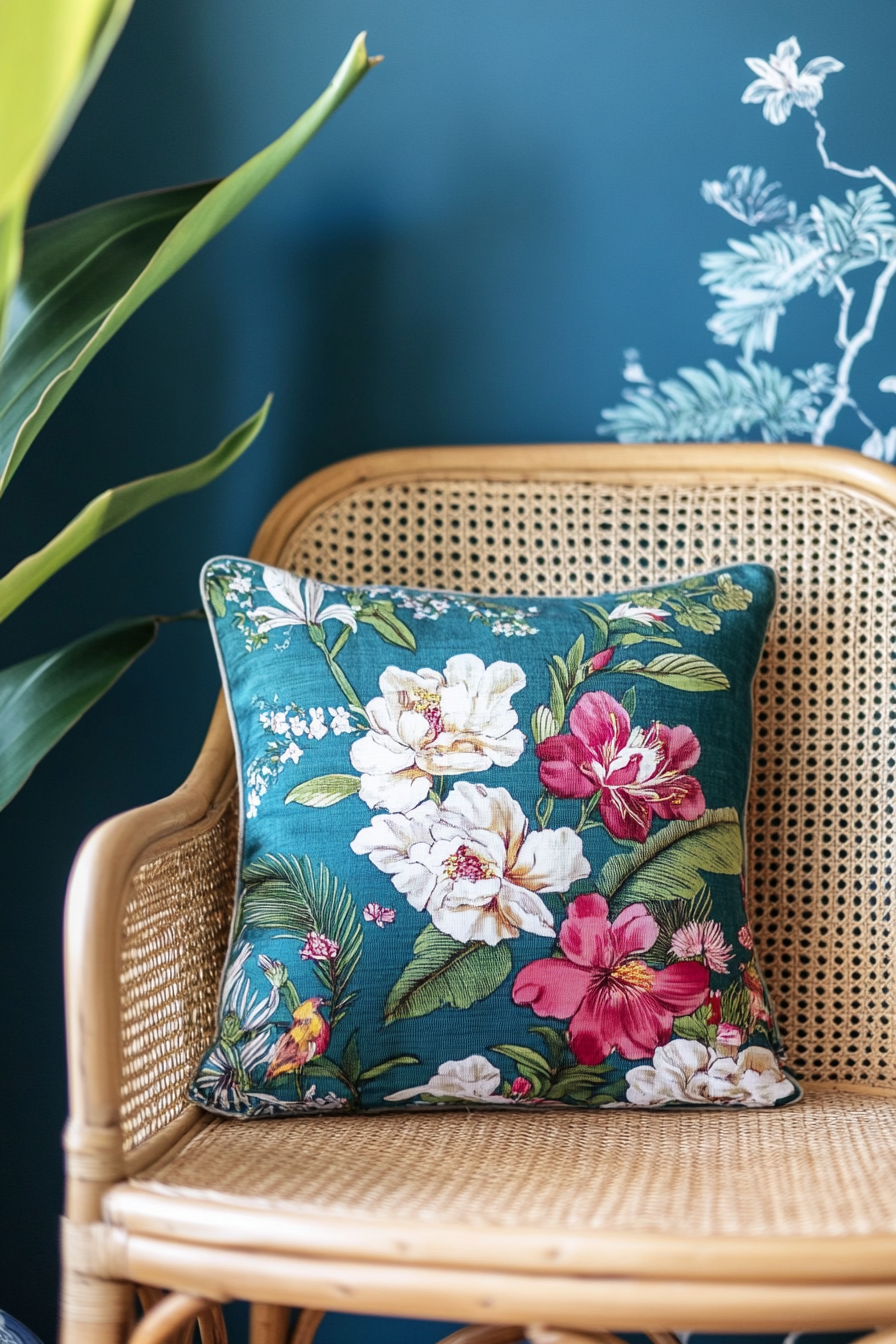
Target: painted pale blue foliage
<point x="789" y="253"/>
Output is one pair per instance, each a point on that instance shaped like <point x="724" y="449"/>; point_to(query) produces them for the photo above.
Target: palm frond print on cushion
<point x="493" y="849"/>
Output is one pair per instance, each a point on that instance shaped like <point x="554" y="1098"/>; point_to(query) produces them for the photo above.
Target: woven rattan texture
<point x="175" y="930"/>
<point x="822" y="806"/>
<point x="824" y="1168"/>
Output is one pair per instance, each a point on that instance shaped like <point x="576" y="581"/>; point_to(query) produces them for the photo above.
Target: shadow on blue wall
<point x="507" y="204"/>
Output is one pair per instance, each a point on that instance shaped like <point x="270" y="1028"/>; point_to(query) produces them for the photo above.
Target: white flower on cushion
<point x="688" y="1071"/>
<point x="780" y="85"/>
<point x="339" y="720"/>
<point x="317" y="728"/>
<point x="629" y="611"/>
<point x="429" y="723"/>
<point x="330" y="1102"/>
<point x="472" y="1079"/>
<point x="298" y="725"/>
<point x="473" y="864"/>
<point x="278" y="722"/>
<point x="292" y="753"/>
<point x="302" y="599"/>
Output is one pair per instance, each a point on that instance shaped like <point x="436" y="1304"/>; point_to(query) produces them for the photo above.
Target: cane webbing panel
<point x="824" y="1168"/>
<point x="174" y="937"/>
<point x="821" y="839"/>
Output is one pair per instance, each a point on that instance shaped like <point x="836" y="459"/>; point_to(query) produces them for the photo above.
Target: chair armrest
<point x="147" y="917"/>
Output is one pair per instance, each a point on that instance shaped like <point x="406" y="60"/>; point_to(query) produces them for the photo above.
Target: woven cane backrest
<point x="821" y="815"/>
<point x="820" y="823"/>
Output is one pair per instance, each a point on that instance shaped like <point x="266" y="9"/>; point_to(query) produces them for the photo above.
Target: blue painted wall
<point x="503" y="207"/>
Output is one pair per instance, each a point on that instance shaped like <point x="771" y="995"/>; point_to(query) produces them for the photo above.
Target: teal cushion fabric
<point x="492" y="849"/>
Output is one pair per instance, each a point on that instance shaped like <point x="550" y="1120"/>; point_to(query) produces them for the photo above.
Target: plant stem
<point x="851" y="348"/>
<point x="543" y="809"/>
<point x="588" y="806"/>
<point x="342" y="681"/>
<point x="870" y="171"/>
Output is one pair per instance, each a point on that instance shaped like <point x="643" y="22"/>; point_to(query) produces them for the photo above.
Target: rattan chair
<point x="741" y="1220"/>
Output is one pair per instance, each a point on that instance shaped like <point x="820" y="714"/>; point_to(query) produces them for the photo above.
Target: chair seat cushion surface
<point x="544" y="1187"/>
<point x="492" y="850"/>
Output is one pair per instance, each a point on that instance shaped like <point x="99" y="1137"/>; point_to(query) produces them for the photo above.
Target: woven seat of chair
<point x="824" y="1168"/>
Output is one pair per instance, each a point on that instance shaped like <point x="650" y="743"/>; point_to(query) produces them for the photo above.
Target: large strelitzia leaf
<point x="83" y="277"/>
<point x="669" y="865"/>
<point x="41" y="698"/>
<point x="114" y="507"/>
<point x="51" y="52"/>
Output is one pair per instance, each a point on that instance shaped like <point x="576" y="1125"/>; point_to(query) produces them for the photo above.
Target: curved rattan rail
<point x="152" y="891"/>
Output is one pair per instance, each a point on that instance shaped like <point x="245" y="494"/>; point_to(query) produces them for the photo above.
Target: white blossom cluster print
<point x="788" y="253"/>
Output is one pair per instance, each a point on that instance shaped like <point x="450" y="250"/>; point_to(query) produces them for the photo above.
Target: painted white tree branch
<point x="853" y="345"/>
<point x="870" y="171"/>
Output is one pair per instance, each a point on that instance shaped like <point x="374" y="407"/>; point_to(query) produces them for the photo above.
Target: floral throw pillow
<point x="492" y="850"/>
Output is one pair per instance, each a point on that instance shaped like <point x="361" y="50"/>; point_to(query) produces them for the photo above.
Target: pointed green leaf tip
<point x="43" y="697"/>
<point x="114" y="507"/>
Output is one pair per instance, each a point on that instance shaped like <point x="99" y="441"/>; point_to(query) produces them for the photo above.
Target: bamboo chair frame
<point x="825" y="512"/>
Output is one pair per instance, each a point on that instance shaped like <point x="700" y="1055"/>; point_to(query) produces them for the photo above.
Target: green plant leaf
<point x="351" y="1059"/>
<point x="286" y="893"/>
<point x="324" y="790"/>
<point x="377" y="1070"/>
<point x="114" y="507"/>
<point x="84" y="276"/>
<point x="217" y="590"/>
<point x="694" y="1027"/>
<point x="530" y="1063"/>
<point x="42" y="697"/>
<point x="51" y="52"/>
<point x="669" y="864"/>
<point x="574" y="658"/>
<point x="388" y="626"/>
<point x="684" y="671"/>
<point x="629" y="701"/>
<point x="446" y="973"/>
<point x="555" y="1042"/>
<point x="323" y="1067"/>
<point x="557" y="698"/>
<point x="598" y="619"/>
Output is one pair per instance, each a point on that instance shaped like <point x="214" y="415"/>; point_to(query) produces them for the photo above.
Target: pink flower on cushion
<point x="381" y="915"/>
<point x="319" y="948"/>
<point x="745" y="938"/>
<point x="639" y="772"/>
<point x="614" y="1000"/>
<point x="705" y="941"/>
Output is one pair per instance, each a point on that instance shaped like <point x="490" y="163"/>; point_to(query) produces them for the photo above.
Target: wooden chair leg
<point x="485" y="1334"/>
<point x="268" y="1324"/>
<point x="306" y="1326"/>
<point x="546" y="1334"/>
<point x="93" y="1310"/>
<point x="212" y="1328"/>
<point x="168" y="1317"/>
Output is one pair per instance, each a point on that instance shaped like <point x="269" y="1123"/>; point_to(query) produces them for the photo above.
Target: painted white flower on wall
<point x="429" y="723"/>
<point x="688" y="1071"/>
<point x="301" y="602"/>
<point x="473" y="864"/>
<point x="781" y="86"/>
<point x="472" y="1079"/>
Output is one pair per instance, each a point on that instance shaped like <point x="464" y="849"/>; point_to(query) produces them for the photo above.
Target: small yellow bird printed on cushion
<point x="307" y="1037"/>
